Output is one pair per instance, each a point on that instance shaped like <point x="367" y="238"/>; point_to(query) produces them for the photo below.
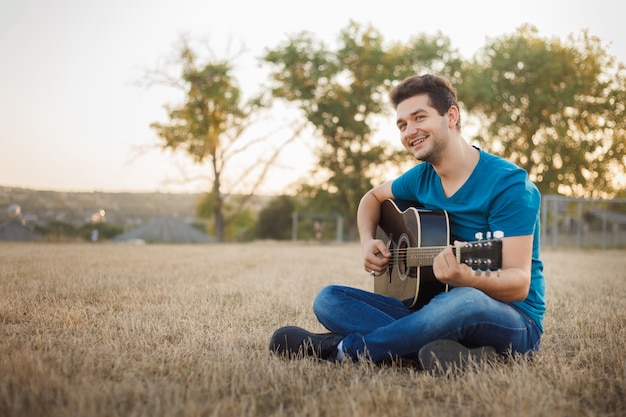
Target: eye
<point x="401" y="126"/>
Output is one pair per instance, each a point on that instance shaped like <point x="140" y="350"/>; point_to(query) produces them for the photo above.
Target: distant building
<point x="15" y="230"/>
<point x="164" y="230"/>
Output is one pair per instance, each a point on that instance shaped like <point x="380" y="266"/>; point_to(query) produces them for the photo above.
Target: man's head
<point x="440" y="92"/>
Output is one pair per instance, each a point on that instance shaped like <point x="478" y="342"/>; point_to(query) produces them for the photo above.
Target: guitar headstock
<point x="482" y="254"/>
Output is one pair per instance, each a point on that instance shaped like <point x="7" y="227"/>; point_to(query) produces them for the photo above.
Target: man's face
<point x="423" y="131"/>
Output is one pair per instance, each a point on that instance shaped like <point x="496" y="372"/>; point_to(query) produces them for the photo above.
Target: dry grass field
<point x="160" y="330"/>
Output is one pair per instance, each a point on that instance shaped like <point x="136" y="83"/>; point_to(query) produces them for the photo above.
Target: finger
<point x="376" y="264"/>
<point x="383" y="250"/>
<point x="370" y="269"/>
<point x="449" y="257"/>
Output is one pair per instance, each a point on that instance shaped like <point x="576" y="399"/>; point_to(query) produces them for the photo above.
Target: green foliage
<point x="341" y="92"/>
<point x="556" y="109"/>
<point x="275" y="220"/>
<point x="211" y="109"/>
<point x="208" y="123"/>
<point x="241" y="226"/>
<point x="58" y="230"/>
<point x="64" y="231"/>
<point x="239" y="223"/>
<point x="205" y="206"/>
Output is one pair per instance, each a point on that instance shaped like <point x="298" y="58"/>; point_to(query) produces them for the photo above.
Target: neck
<point x="457" y="165"/>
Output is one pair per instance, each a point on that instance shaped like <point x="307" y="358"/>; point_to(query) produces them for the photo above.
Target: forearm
<point x="510" y="283"/>
<point x="368" y="212"/>
<point x="368" y="216"/>
<point x="507" y="285"/>
<point x="375" y="254"/>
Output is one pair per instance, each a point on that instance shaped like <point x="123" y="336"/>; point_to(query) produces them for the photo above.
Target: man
<point x="482" y="313"/>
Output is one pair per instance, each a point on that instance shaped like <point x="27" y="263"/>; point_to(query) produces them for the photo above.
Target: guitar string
<point x="423" y="255"/>
<point x="422" y="250"/>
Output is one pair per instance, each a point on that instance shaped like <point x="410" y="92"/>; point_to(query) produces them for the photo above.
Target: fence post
<point x="339" y="228"/>
<point x="579" y="231"/>
<point x="604" y="230"/>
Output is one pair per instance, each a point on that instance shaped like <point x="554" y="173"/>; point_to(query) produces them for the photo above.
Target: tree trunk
<point x="219" y="209"/>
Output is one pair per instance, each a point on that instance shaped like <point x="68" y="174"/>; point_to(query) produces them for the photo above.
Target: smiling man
<point x="482" y="313"/>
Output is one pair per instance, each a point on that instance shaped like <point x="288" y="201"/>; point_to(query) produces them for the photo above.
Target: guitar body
<point x="402" y="227"/>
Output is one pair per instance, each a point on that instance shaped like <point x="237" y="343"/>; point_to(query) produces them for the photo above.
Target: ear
<point x="453" y="116"/>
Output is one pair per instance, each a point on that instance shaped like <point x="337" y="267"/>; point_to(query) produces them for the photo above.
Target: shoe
<point x="293" y="342"/>
<point x="444" y="355"/>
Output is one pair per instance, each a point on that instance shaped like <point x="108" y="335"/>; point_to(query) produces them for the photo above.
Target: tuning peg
<point x="479" y="235"/>
<point x="498" y="234"/>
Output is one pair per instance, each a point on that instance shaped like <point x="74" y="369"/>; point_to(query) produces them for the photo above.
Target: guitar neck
<point x="479" y="254"/>
<point x="423" y="256"/>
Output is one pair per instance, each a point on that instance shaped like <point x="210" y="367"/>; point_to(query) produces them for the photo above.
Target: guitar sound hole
<point x="403" y="269"/>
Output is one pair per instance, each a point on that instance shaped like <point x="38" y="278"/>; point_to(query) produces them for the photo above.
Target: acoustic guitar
<point x="415" y="236"/>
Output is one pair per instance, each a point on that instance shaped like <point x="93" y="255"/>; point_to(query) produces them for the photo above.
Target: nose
<point x="411" y="130"/>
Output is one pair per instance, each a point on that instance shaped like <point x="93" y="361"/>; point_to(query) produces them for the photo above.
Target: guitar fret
<point x="422" y="256"/>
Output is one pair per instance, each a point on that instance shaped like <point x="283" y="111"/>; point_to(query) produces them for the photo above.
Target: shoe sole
<point x="443" y="355"/>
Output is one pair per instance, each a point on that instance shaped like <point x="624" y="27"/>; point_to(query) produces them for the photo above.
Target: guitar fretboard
<point x="417" y="256"/>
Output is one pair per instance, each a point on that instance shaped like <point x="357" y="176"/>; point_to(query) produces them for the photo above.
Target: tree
<point x="556" y="109"/>
<point x="341" y="93"/>
<point x="241" y="219"/>
<point x="275" y="219"/>
<point x="209" y="126"/>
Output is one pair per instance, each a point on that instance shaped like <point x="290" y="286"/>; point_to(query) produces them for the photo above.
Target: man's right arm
<point x="368" y="217"/>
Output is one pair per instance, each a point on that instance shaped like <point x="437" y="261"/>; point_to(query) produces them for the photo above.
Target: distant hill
<point x="78" y="207"/>
<point x="125" y="209"/>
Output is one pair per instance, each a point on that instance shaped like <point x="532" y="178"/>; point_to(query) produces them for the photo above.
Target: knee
<point x="325" y="299"/>
<point x="469" y="293"/>
<point x="465" y="299"/>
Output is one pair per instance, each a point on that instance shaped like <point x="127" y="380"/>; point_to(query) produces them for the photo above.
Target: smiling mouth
<point x="418" y="140"/>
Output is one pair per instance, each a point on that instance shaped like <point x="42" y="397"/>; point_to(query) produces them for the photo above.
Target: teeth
<point x="418" y="141"/>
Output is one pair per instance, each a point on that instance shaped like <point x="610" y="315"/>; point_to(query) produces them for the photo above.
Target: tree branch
<point x="266" y="167"/>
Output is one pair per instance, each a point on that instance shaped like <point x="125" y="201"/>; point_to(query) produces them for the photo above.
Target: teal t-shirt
<point x="498" y="196"/>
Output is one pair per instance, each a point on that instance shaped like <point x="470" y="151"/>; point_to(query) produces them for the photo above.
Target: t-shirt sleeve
<point x="516" y="208"/>
<point x="407" y="186"/>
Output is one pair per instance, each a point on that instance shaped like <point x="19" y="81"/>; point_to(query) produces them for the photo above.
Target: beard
<point x="435" y="148"/>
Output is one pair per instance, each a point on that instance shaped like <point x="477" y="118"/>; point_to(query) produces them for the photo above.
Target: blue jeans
<point x="382" y="327"/>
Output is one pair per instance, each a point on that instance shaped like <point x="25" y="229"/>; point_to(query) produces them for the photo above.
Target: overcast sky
<point x="72" y="116"/>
